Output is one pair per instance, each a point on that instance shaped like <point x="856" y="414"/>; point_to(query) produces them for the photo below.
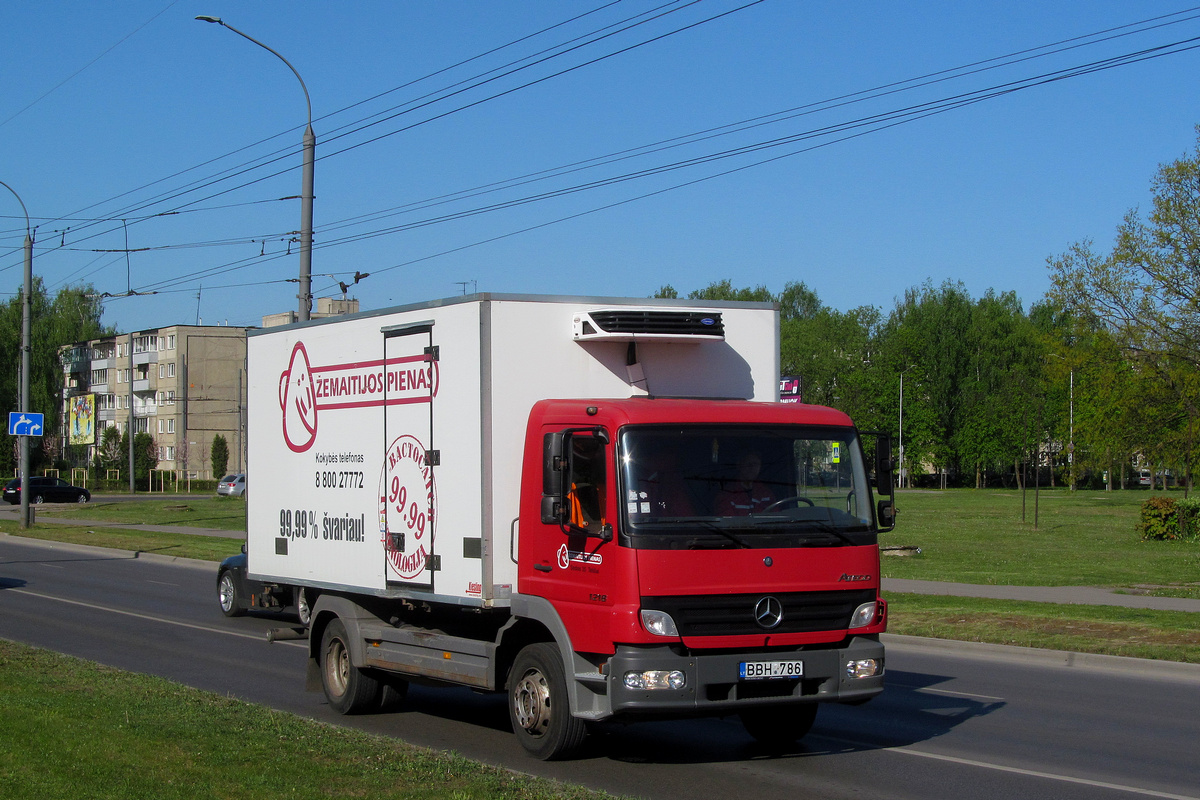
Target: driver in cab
<point x="747" y="494"/>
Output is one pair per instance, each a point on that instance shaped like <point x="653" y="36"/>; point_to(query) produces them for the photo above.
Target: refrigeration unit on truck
<point x="596" y="506"/>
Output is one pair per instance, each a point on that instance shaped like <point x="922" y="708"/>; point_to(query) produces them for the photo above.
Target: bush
<point x="1187" y="517"/>
<point x="1160" y="519"/>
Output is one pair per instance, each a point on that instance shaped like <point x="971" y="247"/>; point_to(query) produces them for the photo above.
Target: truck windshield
<point x="743" y="486"/>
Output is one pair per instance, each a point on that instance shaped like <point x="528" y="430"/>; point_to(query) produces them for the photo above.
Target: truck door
<point x="408" y="496"/>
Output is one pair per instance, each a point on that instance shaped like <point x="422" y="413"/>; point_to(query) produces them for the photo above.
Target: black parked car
<point x="46" y="490"/>
<point x="236" y="593"/>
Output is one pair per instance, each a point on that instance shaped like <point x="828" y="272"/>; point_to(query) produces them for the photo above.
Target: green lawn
<point x="224" y="513"/>
<point x="1081" y="539"/>
<point x="76" y="729"/>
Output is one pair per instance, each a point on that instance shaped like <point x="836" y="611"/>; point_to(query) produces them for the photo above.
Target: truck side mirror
<point x="883" y="464"/>
<point x="885" y="515"/>
<point x="554" y="467"/>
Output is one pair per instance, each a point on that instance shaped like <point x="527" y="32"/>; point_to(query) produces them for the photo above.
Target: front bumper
<point x="713" y="688"/>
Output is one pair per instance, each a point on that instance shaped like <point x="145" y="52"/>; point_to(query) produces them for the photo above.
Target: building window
<point x="170" y="369"/>
<point x="162" y="370"/>
<point x="171" y="342"/>
<point x="99" y="376"/>
<point x="170" y="426"/>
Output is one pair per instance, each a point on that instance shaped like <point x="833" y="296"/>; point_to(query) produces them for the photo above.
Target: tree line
<point x="1099" y="376"/>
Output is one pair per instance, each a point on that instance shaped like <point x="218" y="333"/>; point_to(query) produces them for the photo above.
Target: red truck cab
<point x="706" y="557"/>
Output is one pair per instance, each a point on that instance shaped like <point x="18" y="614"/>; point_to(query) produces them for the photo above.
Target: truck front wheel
<point x="538" y="704"/>
<point x="348" y="689"/>
<point x="780" y="725"/>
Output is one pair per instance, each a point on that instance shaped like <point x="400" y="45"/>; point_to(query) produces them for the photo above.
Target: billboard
<point x="81" y="419"/>
<point x="791" y="389"/>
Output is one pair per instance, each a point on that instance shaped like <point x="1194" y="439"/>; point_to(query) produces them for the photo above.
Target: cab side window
<point x="589" y="482"/>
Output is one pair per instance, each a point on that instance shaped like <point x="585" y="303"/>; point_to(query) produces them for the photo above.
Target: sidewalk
<point x="1063" y="595"/>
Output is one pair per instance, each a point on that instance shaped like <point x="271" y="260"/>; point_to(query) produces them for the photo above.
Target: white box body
<point x="343" y="412"/>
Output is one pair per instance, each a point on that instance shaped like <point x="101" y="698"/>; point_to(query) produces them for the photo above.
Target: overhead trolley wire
<point x="843" y="131"/>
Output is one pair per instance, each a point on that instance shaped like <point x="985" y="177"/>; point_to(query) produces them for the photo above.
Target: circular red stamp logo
<point x="407" y="507"/>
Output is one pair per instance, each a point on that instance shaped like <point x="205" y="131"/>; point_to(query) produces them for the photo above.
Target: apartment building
<point x="183" y="384"/>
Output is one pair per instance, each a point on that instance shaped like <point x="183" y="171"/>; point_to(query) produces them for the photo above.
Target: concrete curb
<point x="114" y="554"/>
<point x="1141" y="667"/>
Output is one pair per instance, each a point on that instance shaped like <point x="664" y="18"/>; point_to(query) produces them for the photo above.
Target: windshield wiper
<point x="712" y="526"/>
<point x="820" y="524"/>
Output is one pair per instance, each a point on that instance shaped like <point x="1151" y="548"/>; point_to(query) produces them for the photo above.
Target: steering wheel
<point x="793" y="499"/>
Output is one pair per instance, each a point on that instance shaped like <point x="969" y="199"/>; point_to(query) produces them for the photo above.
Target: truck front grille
<point x="735" y="614"/>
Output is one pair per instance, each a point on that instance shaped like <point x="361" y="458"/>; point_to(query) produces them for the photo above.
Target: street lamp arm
<point x="272" y="51"/>
<point x="22" y="202"/>
<point x="306" y="187"/>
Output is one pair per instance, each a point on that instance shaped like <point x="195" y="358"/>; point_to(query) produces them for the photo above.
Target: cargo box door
<point x="408" y="501"/>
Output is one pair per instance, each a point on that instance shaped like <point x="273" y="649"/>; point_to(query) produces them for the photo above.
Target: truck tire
<point x="348" y="689"/>
<point x="538" y="704"/>
<point x="229" y="596"/>
<point x="779" y="725"/>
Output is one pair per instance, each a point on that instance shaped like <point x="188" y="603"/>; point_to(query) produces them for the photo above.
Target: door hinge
<point x="433" y="351"/>
<point x="433" y="458"/>
<point x="433" y="563"/>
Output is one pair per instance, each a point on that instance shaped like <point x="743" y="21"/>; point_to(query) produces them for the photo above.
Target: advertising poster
<point x="81" y="419"/>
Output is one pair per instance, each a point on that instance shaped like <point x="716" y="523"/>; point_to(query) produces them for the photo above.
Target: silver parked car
<point x="232" y="485"/>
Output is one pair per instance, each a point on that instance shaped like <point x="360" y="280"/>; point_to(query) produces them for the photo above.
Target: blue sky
<point x="133" y="119"/>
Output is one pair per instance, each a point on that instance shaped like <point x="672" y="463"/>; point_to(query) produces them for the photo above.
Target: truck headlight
<point x="655" y="679"/>
<point x="864" y="615"/>
<point x="864" y="668"/>
<point x="659" y="623"/>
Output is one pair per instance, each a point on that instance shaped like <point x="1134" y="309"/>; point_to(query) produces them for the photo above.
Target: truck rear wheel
<point x="538" y="704"/>
<point x="348" y="689"/>
<point x="779" y="725"/>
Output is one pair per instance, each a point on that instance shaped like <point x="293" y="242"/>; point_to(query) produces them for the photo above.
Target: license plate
<point x="758" y="670"/>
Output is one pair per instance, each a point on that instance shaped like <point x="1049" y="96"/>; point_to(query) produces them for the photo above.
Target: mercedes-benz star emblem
<point x="768" y="612"/>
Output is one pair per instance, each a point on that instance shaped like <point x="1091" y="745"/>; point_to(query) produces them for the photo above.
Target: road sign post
<point x="25" y="424"/>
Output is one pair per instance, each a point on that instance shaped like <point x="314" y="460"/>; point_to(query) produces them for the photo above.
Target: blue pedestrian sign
<point x="25" y="423"/>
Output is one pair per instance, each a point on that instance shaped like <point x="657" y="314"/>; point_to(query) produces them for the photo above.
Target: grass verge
<point x="1107" y="630"/>
<point x="223" y="513"/>
<point x="73" y="726"/>
<point x="181" y="545"/>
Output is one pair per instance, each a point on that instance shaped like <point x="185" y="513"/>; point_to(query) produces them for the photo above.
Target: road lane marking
<point x="960" y="694"/>
<point x="207" y="628"/>
<point x="1032" y="773"/>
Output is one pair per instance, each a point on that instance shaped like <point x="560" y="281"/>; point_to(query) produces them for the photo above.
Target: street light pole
<point x="906" y="369"/>
<point x="306" y="188"/>
<point x="26" y="316"/>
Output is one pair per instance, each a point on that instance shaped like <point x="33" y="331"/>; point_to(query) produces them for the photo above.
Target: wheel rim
<point x="302" y="609"/>
<point x="81" y="499"/>
<point x="531" y="703"/>
<point x="227" y="592"/>
<point x="337" y="667"/>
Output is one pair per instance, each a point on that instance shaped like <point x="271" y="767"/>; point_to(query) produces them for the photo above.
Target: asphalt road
<point x="954" y="722"/>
